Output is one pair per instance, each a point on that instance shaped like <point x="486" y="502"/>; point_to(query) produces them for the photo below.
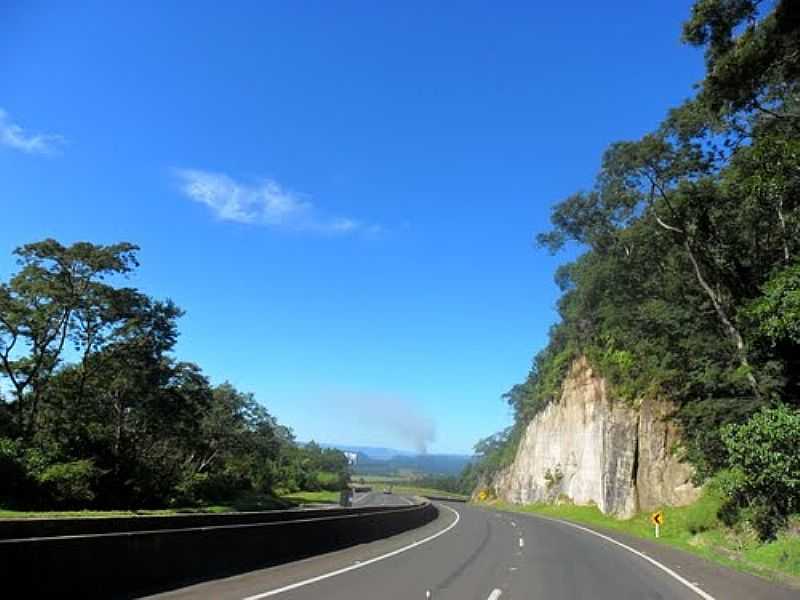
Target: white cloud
<point x="262" y="203"/>
<point x="14" y="136"/>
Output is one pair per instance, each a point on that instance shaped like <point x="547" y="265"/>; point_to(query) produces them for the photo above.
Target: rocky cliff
<point x="589" y="448"/>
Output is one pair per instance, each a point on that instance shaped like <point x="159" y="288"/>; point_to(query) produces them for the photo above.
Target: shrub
<point x="764" y="478"/>
<point x="332" y="482"/>
<point x="69" y="483"/>
<point x="197" y="488"/>
<point x="553" y="478"/>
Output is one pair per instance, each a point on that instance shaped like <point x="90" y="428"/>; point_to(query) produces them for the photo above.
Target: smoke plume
<point x="392" y="417"/>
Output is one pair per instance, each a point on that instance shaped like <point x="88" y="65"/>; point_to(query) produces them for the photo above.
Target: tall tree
<point x="57" y="294"/>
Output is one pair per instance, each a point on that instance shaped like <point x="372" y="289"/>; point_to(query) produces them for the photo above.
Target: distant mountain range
<point x="373" y="452"/>
<point x="373" y="460"/>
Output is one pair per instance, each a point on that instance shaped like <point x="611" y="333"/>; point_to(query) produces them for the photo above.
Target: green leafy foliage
<point x="687" y="285"/>
<point x="776" y="312"/>
<point x="69" y="483"/>
<point x="101" y="414"/>
<point x="764" y="478"/>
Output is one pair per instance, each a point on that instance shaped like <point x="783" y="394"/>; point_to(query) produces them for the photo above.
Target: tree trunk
<point x="730" y="329"/>
<point x="784" y="239"/>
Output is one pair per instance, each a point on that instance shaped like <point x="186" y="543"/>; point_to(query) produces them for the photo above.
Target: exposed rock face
<point x="589" y="449"/>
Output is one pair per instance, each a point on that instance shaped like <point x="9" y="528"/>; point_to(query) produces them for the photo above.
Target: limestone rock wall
<point x="586" y="448"/>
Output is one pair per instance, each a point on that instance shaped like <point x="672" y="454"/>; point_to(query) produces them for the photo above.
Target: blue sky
<point x="342" y="195"/>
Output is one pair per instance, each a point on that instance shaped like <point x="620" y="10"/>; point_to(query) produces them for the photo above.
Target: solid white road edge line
<point x="495" y="594"/>
<point x="294" y="586"/>
<point x="652" y="561"/>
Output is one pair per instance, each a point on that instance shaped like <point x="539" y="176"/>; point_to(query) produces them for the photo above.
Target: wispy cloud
<point x="265" y="202"/>
<point x="14" y="136"/>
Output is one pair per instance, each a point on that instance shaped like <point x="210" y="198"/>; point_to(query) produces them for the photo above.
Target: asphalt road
<point x="378" y="498"/>
<point x="475" y="554"/>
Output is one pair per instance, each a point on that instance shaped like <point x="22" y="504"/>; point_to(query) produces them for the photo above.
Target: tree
<point x="729" y="208"/>
<point x="777" y="311"/>
<point x="57" y="294"/>
<point x="765" y="467"/>
<point x="100" y="411"/>
<point x="686" y="285"/>
<point x="752" y="61"/>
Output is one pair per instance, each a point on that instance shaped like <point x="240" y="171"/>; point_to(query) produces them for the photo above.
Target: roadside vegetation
<point x="320" y="497"/>
<point x="687" y="287"/>
<point x="697" y="529"/>
<point x="248" y="502"/>
<point x="96" y="411"/>
<point x="412" y="490"/>
<point x="420" y="485"/>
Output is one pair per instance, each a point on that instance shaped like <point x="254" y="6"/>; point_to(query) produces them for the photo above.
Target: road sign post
<point x="657" y="518"/>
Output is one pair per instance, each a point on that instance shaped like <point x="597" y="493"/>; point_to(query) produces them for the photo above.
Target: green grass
<point x="246" y="502"/>
<point x="402" y="485"/>
<point x="323" y="496"/>
<point x="327" y="479"/>
<point x="379" y="479"/>
<point x="410" y="490"/>
<point x="249" y="502"/>
<point x="243" y="503"/>
<point x="63" y="514"/>
<point x="694" y="529"/>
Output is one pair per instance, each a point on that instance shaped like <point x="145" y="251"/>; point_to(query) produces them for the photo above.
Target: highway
<point x="470" y="553"/>
<point x="378" y="498"/>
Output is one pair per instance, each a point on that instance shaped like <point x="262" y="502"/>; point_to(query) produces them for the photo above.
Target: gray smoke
<point x="393" y="418"/>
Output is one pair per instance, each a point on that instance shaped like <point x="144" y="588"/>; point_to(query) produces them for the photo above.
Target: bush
<point x="764" y="478"/>
<point x="69" y="483"/>
<point x="333" y="482"/>
<point x="196" y="488"/>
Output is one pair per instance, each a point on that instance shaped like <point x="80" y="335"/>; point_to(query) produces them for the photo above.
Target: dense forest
<point x="688" y="287"/>
<point x="96" y="411"/>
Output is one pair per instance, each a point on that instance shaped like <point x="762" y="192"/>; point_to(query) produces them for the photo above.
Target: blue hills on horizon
<point x="387" y="461"/>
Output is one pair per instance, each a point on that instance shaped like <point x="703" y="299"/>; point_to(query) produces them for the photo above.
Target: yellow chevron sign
<point x="657" y="518"/>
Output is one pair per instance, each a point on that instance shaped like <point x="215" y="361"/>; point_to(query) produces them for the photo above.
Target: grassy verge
<point x="410" y="490"/>
<point x="695" y="529"/>
<point x="248" y="502"/>
<point x="64" y="514"/>
<point x="379" y="479"/>
<point x="323" y="497"/>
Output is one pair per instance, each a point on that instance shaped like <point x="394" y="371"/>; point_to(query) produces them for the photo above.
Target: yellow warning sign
<point x="657" y="518"/>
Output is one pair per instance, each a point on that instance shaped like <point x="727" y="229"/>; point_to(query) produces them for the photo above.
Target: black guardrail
<point x="28" y="528"/>
<point x="130" y="564"/>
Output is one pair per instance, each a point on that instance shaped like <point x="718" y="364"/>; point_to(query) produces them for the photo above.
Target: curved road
<point x="378" y="498"/>
<point x="473" y="554"/>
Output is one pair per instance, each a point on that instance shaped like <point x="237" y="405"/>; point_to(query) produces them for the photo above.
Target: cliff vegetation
<point x="688" y="285"/>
